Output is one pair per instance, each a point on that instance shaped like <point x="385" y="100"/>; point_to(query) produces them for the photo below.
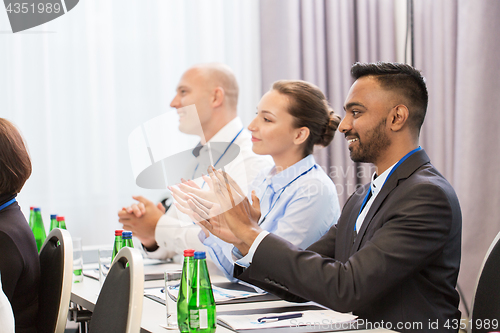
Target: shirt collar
<point x="378" y="182"/>
<point x="225" y="134"/>
<point x="282" y="179"/>
<point x="228" y="132"/>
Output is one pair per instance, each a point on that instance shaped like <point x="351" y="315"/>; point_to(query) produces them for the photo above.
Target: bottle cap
<point x="200" y="255"/>
<point x="31" y="208"/>
<point x="53" y="216"/>
<point x="188" y="253"/>
<point x="127" y="234"/>
<point x="37" y="209"/>
<point x="60" y="218"/>
<point x="118" y="232"/>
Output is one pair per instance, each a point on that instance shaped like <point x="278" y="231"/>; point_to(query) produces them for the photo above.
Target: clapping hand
<point x="237" y="214"/>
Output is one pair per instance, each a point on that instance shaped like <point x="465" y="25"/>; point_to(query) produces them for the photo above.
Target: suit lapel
<point x="361" y="193"/>
<point x="408" y="167"/>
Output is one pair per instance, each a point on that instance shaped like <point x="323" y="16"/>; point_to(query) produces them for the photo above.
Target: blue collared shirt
<point x="299" y="204"/>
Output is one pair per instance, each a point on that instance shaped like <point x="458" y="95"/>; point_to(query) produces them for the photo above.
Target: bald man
<point x="213" y="89"/>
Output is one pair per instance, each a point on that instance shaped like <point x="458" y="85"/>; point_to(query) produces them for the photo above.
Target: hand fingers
<point x="188" y="212"/>
<point x="189" y="190"/>
<point x="216" y="183"/>
<point x="136" y="211"/>
<point x="196" y="209"/>
<point x="190" y="183"/>
<point x="208" y="181"/>
<point x="201" y="207"/>
<point x="161" y="207"/>
<point x="204" y="223"/>
<point x="255" y="201"/>
<point x="123" y="214"/>
<point x="234" y="184"/>
<point x="140" y="198"/>
<point x="228" y="187"/>
<point x="178" y="192"/>
<point x="180" y="200"/>
<point x="205" y="203"/>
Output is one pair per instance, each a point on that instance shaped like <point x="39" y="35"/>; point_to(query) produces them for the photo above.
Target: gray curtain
<point x="454" y="46"/>
<point x="318" y="41"/>
<point x="477" y="141"/>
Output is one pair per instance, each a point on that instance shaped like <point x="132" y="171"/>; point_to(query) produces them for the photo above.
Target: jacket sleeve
<point x="416" y="226"/>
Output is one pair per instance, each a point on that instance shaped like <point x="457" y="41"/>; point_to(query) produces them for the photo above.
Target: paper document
<point x="220" y="294"/>
<point x="317" y="320"/>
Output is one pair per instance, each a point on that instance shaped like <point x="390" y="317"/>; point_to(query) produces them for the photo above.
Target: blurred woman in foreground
<point x="19" y="263"/>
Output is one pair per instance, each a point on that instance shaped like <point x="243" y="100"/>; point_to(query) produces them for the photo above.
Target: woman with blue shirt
<point x="298" y="201"/>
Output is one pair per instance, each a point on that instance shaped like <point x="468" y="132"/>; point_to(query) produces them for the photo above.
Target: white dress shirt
<point x="375" y="187"/>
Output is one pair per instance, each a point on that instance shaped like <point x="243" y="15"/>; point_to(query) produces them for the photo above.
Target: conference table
<point x="85" y="294"/>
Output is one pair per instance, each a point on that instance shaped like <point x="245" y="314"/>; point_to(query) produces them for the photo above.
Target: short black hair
<point x="402" y="78"/>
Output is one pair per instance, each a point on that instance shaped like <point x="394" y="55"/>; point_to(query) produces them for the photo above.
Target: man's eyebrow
<point x="181" y="87"/>
<point x="350" y="105"/>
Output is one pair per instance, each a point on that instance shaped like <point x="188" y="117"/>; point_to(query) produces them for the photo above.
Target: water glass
<point x="77" y="260"/>
<point x="105" y="254"/>
<point x="172" y="282"/>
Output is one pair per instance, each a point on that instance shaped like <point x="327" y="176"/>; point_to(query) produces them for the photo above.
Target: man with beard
<point x="393" y="258"/>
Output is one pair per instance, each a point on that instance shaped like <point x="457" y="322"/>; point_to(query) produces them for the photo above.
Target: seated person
<point x="298" y="201"/>
<point x="19" y="260"/>
<point x="393" y="257"/>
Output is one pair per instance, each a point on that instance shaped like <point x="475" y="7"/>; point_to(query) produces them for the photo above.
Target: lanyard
<point x="281" y="192"/>
<point x="368" y="195"/>
<point x="232" y="141"/>
<point x="8" y="203"/>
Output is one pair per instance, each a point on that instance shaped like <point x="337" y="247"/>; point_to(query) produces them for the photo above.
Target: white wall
<point x="77" y="86"/>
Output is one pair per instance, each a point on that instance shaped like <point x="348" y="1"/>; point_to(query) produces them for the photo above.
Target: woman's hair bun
<point x="330" y="128"/>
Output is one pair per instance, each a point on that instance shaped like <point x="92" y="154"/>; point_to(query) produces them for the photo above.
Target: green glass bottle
<point x="184" y="291"/>
<point x="127" y="239"/>
<point x="39" y="229"/>
<point x="61" y="223"/>
<point x="118" y="243"/>
<point x="53" y="222"/>
<point x="32" y="217"/>
<point x="202" y="317"/>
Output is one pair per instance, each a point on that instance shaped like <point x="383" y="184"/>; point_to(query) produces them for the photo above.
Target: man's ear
<point x="398" y="117"/>
<point x="218" y="97"/>
<point x="301" y="135"/>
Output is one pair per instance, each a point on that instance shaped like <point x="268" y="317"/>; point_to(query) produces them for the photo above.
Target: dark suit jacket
<point x="402" y="267"/>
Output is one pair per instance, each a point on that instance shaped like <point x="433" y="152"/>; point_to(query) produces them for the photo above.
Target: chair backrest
<point x="56" y="276"/>
<point x="486" y="300"/>
<point x="119" y="306"/>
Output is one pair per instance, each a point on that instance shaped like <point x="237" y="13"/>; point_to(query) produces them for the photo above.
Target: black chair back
<point x="56" y="260"/>
<point x="119" y="306"/>
<point x="486" y="301"/>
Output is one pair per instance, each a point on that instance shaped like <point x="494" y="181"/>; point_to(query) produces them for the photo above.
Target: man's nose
<point x="175" y="102"/>
<point x="344" y="125"/>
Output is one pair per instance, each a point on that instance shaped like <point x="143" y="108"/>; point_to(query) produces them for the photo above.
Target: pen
<point x="276" y="318"/>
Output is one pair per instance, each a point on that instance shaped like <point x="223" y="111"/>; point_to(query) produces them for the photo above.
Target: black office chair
<point x="486" y="301"/>
<point x="119" y="306"/>
<point x="56" y="268"/>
